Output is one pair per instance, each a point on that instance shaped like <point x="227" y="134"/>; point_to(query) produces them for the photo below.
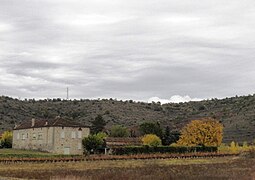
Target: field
<point x="230" y="167"/>
<point x="206" y="168"/>
<point x="14" y="153"/>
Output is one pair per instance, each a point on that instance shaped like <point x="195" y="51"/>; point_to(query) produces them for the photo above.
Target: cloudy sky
<point x="167" y="50"/>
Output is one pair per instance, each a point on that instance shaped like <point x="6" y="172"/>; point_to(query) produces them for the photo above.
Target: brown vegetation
<point x="217" y="168"/>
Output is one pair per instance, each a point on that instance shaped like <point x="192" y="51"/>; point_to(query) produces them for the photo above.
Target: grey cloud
<point x="127" y="49"/>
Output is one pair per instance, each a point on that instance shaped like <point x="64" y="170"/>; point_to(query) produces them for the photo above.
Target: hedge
<point x="160" y="149"/>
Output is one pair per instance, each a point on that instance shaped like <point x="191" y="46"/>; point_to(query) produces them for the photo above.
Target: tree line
<point x="203" y="132"/>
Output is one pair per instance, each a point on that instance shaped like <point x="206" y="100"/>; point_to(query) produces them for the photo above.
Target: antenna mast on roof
<point x="67" y="93"/>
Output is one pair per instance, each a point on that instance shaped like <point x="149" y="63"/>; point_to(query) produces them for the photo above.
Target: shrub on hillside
<point x="151" y="128"/>
<point x="119" y="131"/>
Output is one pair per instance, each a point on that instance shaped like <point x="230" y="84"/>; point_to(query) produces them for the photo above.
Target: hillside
<point x="237" y="113"/>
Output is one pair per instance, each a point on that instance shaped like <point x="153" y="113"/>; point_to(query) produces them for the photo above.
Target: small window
<point x="79" y="134"/>
<point x="40" y="136"/>
<point x="23" y="136"/>
<point x="73" y="134"/>
<point x="34" y="136"/>
<point x="62" y="134"/>
<point x="79" y="146"/>
<point x="18" y="136"/>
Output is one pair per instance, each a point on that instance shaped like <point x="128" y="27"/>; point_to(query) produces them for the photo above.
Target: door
<point x="67" y="150"/>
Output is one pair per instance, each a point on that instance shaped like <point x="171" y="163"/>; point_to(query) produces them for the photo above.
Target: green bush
<point x="119" y="131"/>
<point x="93" y="142"/>
<point x="151" y="128"/>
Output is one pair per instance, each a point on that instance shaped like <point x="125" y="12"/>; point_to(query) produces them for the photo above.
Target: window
<point x="34" y="136"/>
<point x="18" y="136"/>
<point x="62" y="134"/>
<point x="79" y="134"/>
<point x="40" y="136"/>
<point x="73" y="134"/>
<point x="23" y="136"/>
<point x="79" y="146"/>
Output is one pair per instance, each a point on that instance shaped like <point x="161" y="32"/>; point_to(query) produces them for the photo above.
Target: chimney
<point x="15" y="126"/>
<point x="33" y="122"/>
<point x="46" y="123"/>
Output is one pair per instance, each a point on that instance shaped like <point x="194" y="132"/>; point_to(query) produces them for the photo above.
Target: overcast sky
<point x="168" y="50"/>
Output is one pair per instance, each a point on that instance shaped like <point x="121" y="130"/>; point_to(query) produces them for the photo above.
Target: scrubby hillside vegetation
<point x="237" y="113"/>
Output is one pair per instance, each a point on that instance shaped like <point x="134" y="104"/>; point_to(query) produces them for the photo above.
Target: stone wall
<point x="34" y="139"/>
<point x="69" y="139"/>
<point x="59" y="140"/>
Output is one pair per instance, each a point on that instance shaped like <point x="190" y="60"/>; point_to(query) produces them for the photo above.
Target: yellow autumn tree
<point x="6" y="140"/>
<point x="151" y="140"/>
<point x="203" y="132"/>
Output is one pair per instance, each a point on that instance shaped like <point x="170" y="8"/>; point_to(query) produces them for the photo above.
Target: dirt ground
<point x="211" y="168"/>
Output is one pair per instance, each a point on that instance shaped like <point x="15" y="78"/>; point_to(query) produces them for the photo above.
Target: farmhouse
<point x="52" y="135"/>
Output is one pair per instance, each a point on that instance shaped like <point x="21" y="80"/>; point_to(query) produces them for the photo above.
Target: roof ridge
<point x="51" y="123"/>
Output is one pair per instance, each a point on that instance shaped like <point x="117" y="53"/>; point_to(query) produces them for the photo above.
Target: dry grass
<point x="19" y="151"/>
<point x="220" y="168"/>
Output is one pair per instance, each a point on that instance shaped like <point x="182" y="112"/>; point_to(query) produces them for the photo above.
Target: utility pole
<point x="67" y="93"/>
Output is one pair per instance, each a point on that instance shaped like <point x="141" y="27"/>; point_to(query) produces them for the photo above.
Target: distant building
<point x="112" y="143"/>
<point x="115" y="142"/>
<point x="57" y="136"/>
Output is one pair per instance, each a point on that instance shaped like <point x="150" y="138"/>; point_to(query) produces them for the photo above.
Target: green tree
<point x="151" y="140"/>
<point x="166" y="136"/>
<point x="170" y="137"/>
<point x="119" y="131"/>
<point x="93" y="142"/>
<point x="98" y="124"/>
<point x="101" y="135"/>
<point x="151" y="128"/>
<point x="6" y="140"/>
